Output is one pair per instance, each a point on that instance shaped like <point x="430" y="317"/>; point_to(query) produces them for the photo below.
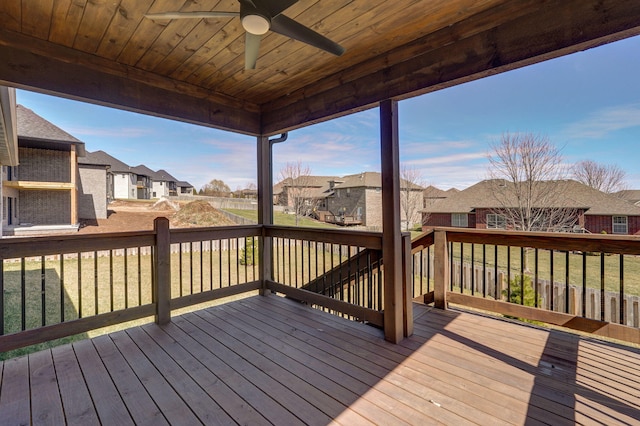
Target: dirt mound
<point x="163" y="205"/>
<point x="200" y="213"/>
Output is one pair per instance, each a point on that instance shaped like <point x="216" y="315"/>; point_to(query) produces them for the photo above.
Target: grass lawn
<point x="285" y="219"/>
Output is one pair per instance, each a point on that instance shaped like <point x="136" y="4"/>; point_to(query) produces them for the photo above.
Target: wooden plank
<point x="600" y="328"/>
<point x="78" y="407"/>
<point x="55" y="69"/>
<point x="14" y="393"/>
<point x="215" y="387"/>
<point x="14" y="248"/>
<point x="261" y="377"/>
<point x="371" y="240"/>
<point x="209" y="295"/>
<point x="203" y="347"/>
<point x="342" y="386"/>
<point x="410" y="405"/>
<point x="66" y="18"/>
<point x="322" y="394"/>
<point x="46" y="403"/>
<point x="36" y="18"/>
<point x="203" y="405"/>
<point x="69" y="328"/>
<point x="362" y="313"/>
<point x="109" y="405"/>
<point x="140" y="405"/>
<point x="174" y="409"/>
<point x="11" y="15"/>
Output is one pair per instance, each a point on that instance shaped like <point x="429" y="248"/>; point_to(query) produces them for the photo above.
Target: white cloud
<point x="603" y="122"/>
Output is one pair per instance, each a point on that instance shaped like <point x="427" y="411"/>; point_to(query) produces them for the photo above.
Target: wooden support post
<point x="441" y="269"/>
<point x="73" y="159"/>
<point x="407" y="285"/>
<point x="391" y="233"/>
<point x="162" y="275"/>
<point x="265" y="210"/>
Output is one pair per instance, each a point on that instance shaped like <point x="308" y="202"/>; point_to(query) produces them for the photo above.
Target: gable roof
<point x="184" y="184"/>
<point x="630" y="195"/>
<point x="433" y="192"/>
<point x="101" y="157"/>
<point x="143" y="170"/>
<point x="369" y="180"/>
<point x="163" y="176"/>
<point x="36" y="132"/>
<point x="576" y="195"/>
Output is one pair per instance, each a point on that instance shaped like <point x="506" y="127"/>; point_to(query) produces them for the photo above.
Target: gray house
<point x="41" y="193"/>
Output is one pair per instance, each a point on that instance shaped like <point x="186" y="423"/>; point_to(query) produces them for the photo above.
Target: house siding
<point x="44" y="207"/>
<point x="44" y="165"/>
<point x="349" y="201"/>
<point x="92" y="192"/>
<point x="598" y="223"/>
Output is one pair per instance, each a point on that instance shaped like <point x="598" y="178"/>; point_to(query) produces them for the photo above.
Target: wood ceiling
<point x="106" y="51"/>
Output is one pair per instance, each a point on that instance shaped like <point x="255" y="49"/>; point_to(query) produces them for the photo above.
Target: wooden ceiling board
<point x="107" y="52"/>
<point x="65" y="20"/>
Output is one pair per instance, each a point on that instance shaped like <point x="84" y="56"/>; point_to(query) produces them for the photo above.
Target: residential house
<point x="144" y="181"/>
<point x="42" y="192"/>
<point x="478" y="207"/>
<point x="184" y="188"/>
<point x="630" y="195"/>
<point x="94" y="185"/>
<point x="8" y="140"/>
<point x="163" y="184"/>
<point x="348" y="200"/>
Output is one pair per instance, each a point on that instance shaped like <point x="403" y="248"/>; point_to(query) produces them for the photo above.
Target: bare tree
<point x="296" y="187"/>
<point x="411" y="196"/>
<point x="528" y="184"/>
<point x="606" y="178"/>
<point x="215" y="188"/>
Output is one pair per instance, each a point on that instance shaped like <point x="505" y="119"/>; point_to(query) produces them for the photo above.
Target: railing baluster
<point x="62" y="291"/>
<point x="461" y="268"/>
<point x="535" y="278"/>
<point x="126" y="278"/>
<point x="584" y="284"/>
<point x="602" y="293"/>
<point x="495" y="272"/>
<point x="621" y="297"/>
<point x="111" y="279"/>
<point x="95" y="281"/>
<point x="23" y="296"/>
<point x="551" y="278"/>
<point x="522" y="262"/>
<point x="140" y="276"/>
<point x="43" y="291"/>
<point x="229" y="262"/>
<point x="79" y="284"/>
<point x="473" y="274"/>
<point x="508" y="273"/>
<point x="566" y="283"/>
<point x="484" y="270"/>
<point x="2" y="307"/>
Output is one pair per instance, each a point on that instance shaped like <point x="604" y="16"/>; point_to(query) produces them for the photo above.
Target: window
<point x="460" y="220"/>
<point x="496" y="221"/>
<point x="620" y="225"/>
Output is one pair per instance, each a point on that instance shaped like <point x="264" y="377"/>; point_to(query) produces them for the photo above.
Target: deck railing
<point x="586" y="282"/>
<point x="336" y="270"/>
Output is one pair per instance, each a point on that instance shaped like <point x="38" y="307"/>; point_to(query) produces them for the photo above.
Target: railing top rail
<point x="185" y="235"/>
<point x="621" y="244"/>
<point x="422" y="241"/>
<point x="371" y="240"/>
<point x="11" y="248"/>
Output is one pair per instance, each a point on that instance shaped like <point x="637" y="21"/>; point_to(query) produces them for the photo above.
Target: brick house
<point x="595" y="211"/>
<point x="42" y="191"/>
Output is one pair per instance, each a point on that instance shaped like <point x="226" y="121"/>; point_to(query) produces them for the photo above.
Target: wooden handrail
<point x="371" y="240"/>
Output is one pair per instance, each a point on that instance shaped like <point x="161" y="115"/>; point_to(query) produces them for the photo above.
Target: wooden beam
<point x="57" y="70"/>
<point x="391" y="233"/>
<point x="265" y="210"/>
<point x="162" y="271"/>
<point x="440" y="269"/>
<point x="25" y="185"/>
<point x="455" y="55"/>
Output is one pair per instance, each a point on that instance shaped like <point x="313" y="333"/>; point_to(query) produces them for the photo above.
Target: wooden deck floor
<point x="267" y="360"/>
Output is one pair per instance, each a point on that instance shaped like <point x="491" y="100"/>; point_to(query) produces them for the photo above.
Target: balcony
<point x="270" y="359"/>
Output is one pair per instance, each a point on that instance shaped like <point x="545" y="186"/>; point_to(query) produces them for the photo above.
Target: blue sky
<point x="588" y="104"/>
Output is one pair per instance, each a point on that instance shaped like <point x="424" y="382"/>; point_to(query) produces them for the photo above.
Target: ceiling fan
<point x="258" y="17"/>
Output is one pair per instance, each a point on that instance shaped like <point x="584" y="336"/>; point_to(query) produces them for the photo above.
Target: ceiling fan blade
<point x="251" y="48"/>
<point x="290" y="28"/>
<point x="187" y="15"/>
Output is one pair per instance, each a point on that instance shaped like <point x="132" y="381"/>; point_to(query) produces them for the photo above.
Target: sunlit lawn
<point x="284" y="219"/>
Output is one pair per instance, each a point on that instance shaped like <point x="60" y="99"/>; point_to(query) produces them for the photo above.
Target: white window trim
<point x="619" y="224"/>
<point x="495" y="221"/>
